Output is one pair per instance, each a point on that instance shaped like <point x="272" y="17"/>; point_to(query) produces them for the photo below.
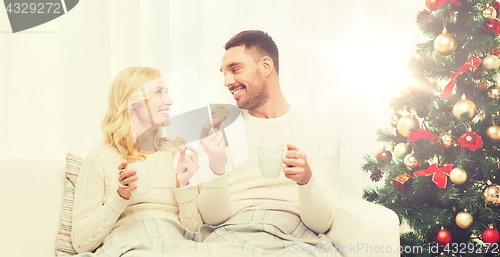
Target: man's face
<point x="243" y="78"/>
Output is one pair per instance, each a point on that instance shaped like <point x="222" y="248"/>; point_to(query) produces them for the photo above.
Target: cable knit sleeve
<point x="318" y="197"/>
<point x="93" y="220"/>
<point x="187" y="198"/>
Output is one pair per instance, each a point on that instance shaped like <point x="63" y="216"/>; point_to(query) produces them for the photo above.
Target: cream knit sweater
<point x="313" y="202"/>
<point x="99" y="210"/>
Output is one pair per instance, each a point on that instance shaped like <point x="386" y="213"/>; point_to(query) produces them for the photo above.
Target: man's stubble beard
<point x="258" y="96"/>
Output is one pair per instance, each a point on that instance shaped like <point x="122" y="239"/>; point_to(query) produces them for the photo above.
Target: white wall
<point x="341" y="58"/>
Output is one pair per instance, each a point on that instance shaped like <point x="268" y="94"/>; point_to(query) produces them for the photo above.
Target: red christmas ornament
<point x="384" y="155"/>
<point x="443" y="237"/>
<point x="496" y="5"/>
<point x="436" y="4"/>
<point x="470" y="142"/>
<point x="491" y="236"/>
<point x="431" y="4"/>
<point x="492" y="26"/>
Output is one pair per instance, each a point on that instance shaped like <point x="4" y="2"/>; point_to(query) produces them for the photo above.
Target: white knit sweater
<point x="99" y="210"/>
<point x="313" y="202"/>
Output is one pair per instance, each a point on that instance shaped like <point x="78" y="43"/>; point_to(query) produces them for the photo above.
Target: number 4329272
<point x="33" y="8"/>
<point x="470" y="248"/>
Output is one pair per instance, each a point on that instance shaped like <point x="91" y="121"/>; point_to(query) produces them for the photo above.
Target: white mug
<point x="271" y="159"/>
<point x="143" y="181"/>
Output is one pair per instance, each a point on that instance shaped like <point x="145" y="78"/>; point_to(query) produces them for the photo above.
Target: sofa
<point x="34" y="191"/>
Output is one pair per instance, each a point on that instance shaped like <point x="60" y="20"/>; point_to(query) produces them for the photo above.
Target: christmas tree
<point x="442" y="176"/>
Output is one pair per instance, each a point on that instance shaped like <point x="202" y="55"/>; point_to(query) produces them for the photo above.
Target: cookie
<point x="180" y="144"/>
<point x="220" y="112"/>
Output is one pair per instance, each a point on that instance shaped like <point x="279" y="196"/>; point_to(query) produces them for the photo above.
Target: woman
<point x="102" y="206"/>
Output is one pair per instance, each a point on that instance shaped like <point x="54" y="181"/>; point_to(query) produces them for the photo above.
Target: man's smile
<point x="237" y="91"/>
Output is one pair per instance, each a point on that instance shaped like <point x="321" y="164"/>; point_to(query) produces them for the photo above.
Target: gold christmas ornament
<point x="458" y="176"/>
<point x="406" y="124"/>
<point x="463" y="106"/>
<point x="401" y="150"/>
<point x="489" y="13"/>
<point x="411" y="162"/>
<point x="445" y="44"/>
<point x="494" y="92"/>
<point x="446" y="139"/>
<point x="491" y="195"/>
<point x="493" y="133"/>
<point x="464" y="219"/>
<point x="491" y="62"/>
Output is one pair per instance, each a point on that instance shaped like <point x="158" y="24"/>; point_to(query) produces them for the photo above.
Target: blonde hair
<point x="118" y="127"/>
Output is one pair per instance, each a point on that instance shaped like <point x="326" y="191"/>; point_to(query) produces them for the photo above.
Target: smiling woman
<point x="104" y="201"/>
<point x="154" y="107"/>
<point x="128" y="112"/>
<point x="149" y="107"/>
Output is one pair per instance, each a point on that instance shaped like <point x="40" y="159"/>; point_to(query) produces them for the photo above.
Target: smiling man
<point x="270" y="215"/>
<point x="251" y="66"/>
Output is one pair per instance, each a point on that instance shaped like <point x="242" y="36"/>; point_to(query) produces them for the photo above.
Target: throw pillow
<point x="64" y="246"/>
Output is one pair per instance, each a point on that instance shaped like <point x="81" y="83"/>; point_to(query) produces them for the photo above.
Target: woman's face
<point x="159" y="104"/>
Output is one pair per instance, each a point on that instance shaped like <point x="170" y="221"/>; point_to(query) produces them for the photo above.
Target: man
<point x="288" y="214"/>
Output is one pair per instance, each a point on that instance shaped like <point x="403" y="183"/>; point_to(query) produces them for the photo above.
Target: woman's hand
<point x="187" y="166"/>
<point x="215" y="147"/>
<point x="124" y="178"/>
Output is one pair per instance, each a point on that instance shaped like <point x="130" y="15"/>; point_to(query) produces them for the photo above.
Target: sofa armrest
<point x="361" y="228"/>
<point x="32" y="201"/>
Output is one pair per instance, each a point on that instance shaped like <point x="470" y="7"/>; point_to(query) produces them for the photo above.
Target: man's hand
<point x="215" y="147"/>
<point x="296" y="168"/>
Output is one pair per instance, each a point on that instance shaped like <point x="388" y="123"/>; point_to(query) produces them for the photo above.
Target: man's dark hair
<point x="256" y="40"/>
